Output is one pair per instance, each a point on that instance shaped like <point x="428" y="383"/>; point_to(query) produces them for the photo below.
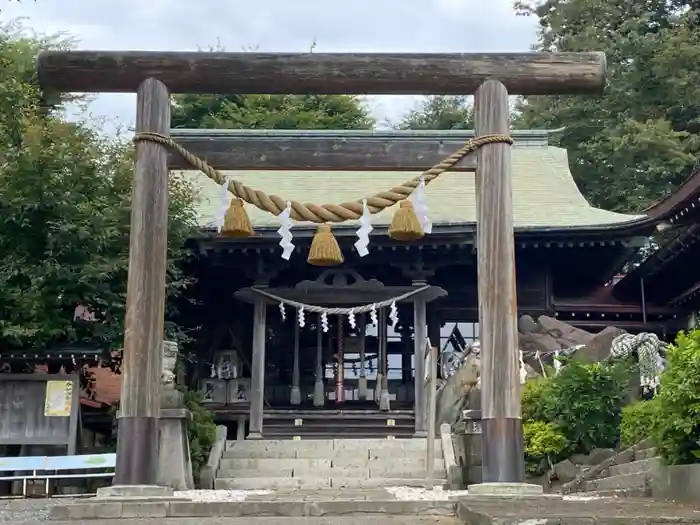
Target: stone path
<point x="31" y="512"/>
<point x="337" y="520"/>
<point x="431" y="509"/>
<point x="418" y="506"/>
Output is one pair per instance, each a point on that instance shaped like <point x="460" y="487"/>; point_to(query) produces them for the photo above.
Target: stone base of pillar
<point x="319" y="394"/>
<point x="254" y="435"/>
<point x="362" y="389"/>
<point x="384" y="400"/>
<point x="174" y="462"/>
<point x="240" y="431"/>
<point x="295" y="396"/>
<point x="505" y="489"/>
<point x="121" y="492"/>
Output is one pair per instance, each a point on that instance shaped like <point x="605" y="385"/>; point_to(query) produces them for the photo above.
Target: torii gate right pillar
<point x="501" y="423"/>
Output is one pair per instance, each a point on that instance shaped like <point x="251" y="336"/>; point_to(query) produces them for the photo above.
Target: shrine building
<point x="321" y="377"/>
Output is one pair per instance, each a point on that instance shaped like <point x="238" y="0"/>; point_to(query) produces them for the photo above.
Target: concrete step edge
<point x="87" y="510"/>
<point x="633" y="467"/>
<point x="627" y="481"/>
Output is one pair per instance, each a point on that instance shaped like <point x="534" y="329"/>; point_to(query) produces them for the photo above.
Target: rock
<point x="453" y="397"/>
<point x="532" y="372"/>
<point x="598" y="455"/>
<point x="563" y="332"/>
<point x="580" y="459"/>
<point x="565" y="471"/>
<point x="526" y="324"/>
<point x="598" y="348"/>
<point x="536" y="341"/>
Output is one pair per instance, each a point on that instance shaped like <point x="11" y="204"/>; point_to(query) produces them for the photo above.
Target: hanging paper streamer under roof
<point x="285" y="232"/>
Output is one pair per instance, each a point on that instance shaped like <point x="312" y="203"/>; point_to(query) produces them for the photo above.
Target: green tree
<point x="65" y="195"/>
<point x="638" y="141"/>
<point x="440" y="112"/>
<point x="271" y="112"/>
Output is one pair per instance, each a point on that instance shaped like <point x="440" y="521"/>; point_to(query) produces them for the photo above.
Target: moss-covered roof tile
<point x="544" y="192"/>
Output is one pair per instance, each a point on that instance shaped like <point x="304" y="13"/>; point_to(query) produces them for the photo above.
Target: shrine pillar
<point x="319" y="384"/>
<point x="420" y="335"/>
<point x="295" y="396"/>
<point x="257" y="379"/>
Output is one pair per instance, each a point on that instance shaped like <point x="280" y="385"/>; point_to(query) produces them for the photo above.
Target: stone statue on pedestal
<point x="174" y="462"/>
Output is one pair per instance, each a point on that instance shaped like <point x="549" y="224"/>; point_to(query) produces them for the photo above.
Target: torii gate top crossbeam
<point x="322" y="73"/>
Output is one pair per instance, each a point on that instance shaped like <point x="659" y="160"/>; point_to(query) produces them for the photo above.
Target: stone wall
<point x="676" y="483"/>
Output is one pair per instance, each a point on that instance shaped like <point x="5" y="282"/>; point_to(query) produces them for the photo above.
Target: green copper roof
<point x="544" y="192"/>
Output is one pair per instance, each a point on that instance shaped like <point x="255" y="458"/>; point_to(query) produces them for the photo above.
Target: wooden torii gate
<point x="155" y="75"/>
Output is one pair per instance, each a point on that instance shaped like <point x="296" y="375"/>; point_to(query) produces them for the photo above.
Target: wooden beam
<point x="331" y="150"/>
<point x="139" y="410"/>
<point x="502" y="431"/>
<point x="331" y="73"/>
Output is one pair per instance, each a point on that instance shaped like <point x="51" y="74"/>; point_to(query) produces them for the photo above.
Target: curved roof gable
<point x="544" y="192"/>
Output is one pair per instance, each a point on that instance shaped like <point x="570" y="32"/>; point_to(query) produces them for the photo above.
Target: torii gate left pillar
<point x="152" y="74"/>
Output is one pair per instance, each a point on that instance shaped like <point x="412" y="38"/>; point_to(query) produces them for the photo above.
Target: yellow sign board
<point x="59" y="395"/>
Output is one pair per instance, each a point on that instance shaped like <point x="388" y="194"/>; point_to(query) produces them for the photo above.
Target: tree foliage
<point x="638" y="421"/>
<point x="65" y="195"/>
<point x="676" y="426"/>
<point x="271" y="112"/>
<point x="440" y="112"/>
<point x="638" y="141"/>
<point x="584" y="401"/>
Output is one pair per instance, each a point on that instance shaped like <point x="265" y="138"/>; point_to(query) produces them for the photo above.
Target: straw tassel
<point x="236" y="222"/>
<point x="324" y="248"/>
<point x="405" y="225"/>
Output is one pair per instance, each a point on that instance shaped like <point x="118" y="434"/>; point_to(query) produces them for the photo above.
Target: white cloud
<point x="280" y="25"/>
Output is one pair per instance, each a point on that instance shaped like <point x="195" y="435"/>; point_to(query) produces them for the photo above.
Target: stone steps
<point x="308" y="463"/>
<point x="637" y="480"/>
<point x="317" y="483"/>
<point x="322" y="464"/>
<point x="634" y="467"/>
<point x="643" y="454"/>
<point x="386" y="471"/>
<point x="328" y="424"/>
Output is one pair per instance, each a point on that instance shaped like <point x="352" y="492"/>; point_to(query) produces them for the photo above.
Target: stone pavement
<point x="283" y="507"/>
<point x="550" y="510"/>
<point x="368" y="507"/>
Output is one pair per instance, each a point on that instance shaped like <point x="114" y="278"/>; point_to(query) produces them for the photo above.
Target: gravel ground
<point x="27" y="512"/>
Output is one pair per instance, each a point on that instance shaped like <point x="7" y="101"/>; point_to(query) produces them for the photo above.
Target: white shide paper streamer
<point x="223" y="204"/>
<point x="420" y="204"/>
<point x="364" y="230"/>
<point x="285" y="231"/>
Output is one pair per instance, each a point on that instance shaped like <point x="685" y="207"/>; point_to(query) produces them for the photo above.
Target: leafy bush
<point x="637" y="422"/>
<point x="201" y="430"/>
<point x="677" y="426"/>
<point x="583" y="400"/>
<point x="544" y="444"/>
<point x="536" y="399"/>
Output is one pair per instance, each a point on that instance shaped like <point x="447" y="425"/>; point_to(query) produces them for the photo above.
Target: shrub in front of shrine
<point x="584" y="401"/>
<point x="637" y="422"/>
<point x="676" y="429"/>
<point x="201" y="430"/>
<point x="545" y="444"/>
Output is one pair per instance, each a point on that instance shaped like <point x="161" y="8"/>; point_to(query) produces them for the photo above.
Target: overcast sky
<point x="279" y="25"/>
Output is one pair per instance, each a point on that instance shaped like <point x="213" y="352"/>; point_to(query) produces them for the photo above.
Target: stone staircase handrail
<point x="208" y="473"/>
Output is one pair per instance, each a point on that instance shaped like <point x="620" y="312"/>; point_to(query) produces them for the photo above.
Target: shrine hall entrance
<point x="339" y="345"/>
